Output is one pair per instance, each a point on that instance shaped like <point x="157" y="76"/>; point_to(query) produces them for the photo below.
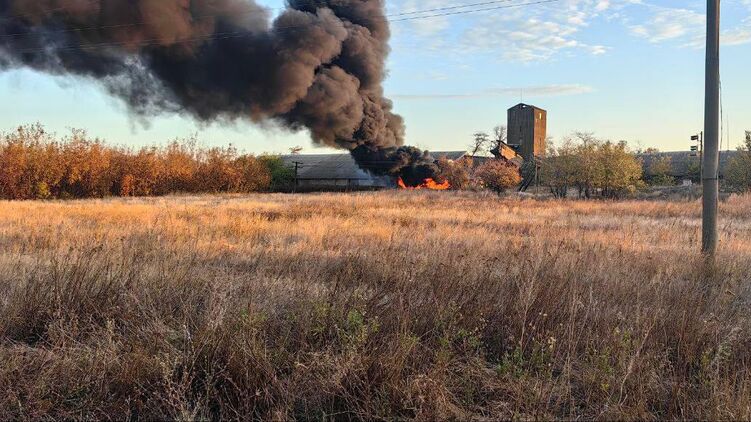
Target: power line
<point x="47" y="11"/>
<point x="238" y="34"/>
<point x="439" y="9"/>
<point x="203" y="17"/>
<point x="463" y="12"/>
<point x="119" y="26"/>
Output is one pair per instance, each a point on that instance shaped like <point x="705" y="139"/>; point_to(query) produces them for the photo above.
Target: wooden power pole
<point x="710" y="182"/>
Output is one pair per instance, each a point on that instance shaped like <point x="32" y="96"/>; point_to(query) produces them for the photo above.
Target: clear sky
<point x="624" y="69"/>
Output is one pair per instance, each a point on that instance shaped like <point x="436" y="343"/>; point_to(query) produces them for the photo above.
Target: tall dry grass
<point x="371" y="306"/>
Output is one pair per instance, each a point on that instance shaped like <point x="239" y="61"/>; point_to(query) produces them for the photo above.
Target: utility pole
<point x="710" y="182"/>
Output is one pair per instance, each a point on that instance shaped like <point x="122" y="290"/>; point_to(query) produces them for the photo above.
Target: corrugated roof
<point x="450" y="155"/>
<point x="342" y="166"/>
<point x="682" y="160"/>
<point x="326" y="166"/>
<point x="522" y="105"/>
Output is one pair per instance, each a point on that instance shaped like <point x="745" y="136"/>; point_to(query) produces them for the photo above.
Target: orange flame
<point x="427" y="184"/>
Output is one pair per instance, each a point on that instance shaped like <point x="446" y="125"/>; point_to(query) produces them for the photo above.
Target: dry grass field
<point x="425" y="305"/>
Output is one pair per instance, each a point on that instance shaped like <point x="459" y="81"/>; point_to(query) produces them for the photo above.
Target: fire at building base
<point x="340" y="172"/>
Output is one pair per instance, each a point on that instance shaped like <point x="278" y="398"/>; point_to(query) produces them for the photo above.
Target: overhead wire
<point x="487" y="9"/>
<point x="439" y="9"/>
<point x="210" y="16"/>
<point x="46" y="11"/>
<point x="310" y="2"/>
<point x="236" y="34"/>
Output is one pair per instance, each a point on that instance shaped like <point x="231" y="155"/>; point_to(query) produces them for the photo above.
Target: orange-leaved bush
<point x="35" y="164"/>
<point x="498" y="175"/>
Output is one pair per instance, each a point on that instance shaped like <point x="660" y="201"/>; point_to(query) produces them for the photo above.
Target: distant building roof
<point x="342" y="166"/>
<point x="522" y="105"/>
<point x="325" y="166"/>
<point x="682" y="160"/>
<point x="449" y="155"/>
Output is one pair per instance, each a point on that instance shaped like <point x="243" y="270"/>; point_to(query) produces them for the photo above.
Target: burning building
<point x="340" y="172"/>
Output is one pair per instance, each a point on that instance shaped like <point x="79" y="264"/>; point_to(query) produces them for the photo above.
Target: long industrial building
<point x="340" y="171"/>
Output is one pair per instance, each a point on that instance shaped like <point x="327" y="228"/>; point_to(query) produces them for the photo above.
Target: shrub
<point x="34" y="165"/>
<point x="498" y="175"/>
<point x="127" y="185"/>
<point x="557" y="170"/>
<point x="86" y="166"/>
<point x="42" y="191"/>
<point x="619" y="171"/>
<point x="659" y="172"/>
<point x="458" y="172"/>
<point x="254" y="175"/>
<point x="593" y="167"/>
<point x="29" y="159"/>
<point x="216" y="172"/>
<point x="739" y="169"/>
<point x="282" y="177"/>
<point x="180" y="159"/>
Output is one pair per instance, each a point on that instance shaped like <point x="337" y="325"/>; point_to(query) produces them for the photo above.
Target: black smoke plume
<point x="319" y="65"/>
<point x="409" y="163"/>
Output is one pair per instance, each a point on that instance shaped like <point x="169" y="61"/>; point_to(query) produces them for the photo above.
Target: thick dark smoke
<point x="409" y="163"/>
<point x="319" y="65"/>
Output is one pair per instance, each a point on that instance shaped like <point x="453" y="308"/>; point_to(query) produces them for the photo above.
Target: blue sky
<point x="624" y="69"/>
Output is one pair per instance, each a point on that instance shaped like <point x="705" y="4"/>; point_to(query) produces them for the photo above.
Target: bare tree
<point x="500" y="135"/>
<point x="480" y="143"/>
<point x="499" y="138"/>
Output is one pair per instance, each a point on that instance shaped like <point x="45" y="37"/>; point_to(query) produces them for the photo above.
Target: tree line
<point x="592" y="167"/>
<point x="737" y="171"/>
<point x="34" y="164"/>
